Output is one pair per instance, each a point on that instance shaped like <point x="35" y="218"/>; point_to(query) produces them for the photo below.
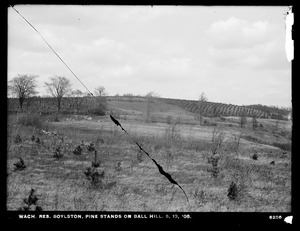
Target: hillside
<point x="273" y="112"/>
<point x="83" y="105"/>
<point x="54" y="155"/>
<point x="212" y="109"/>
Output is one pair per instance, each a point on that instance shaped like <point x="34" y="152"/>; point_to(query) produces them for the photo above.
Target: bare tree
<point x="149" y="100"/>
<point x="58" y="87"/>
<point x="77" y="99"/>
<point x="201" y="101"/>
<point x="100" y="91"/>
<point x="217" y="139"/>
<point x="23" y="86"/>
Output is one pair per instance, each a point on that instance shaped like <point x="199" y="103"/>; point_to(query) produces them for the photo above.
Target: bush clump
<point x="96" y="111"/>
<point x="31" y="119"/>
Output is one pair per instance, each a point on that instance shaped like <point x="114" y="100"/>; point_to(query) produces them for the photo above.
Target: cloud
<point x="174" y="51"/>
<point x="236" y="42"/>
<point x="234" y="32"/>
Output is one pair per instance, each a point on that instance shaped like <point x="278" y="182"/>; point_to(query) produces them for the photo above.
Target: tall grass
<point x="172" y="133"/>
<point x="283" y="146"/>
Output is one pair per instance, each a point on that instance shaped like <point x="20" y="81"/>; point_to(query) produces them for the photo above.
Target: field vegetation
<point x="80" y="160"/>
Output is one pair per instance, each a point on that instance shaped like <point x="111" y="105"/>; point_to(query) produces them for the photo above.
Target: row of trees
<point x="24" y="87"/>
<point x="243" y="119"/>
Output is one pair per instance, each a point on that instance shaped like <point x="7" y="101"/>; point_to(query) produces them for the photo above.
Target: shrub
<point x="31" y="119"/>
<point x="255" y="156"/>
<point x="213" y="160"/>
<point x="96" y="111"/>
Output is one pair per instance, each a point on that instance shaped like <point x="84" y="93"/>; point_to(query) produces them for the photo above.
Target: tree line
<point x="24" y="87"/>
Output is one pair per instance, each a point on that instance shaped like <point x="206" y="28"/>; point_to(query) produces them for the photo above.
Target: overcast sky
<point x="234" y="54"/>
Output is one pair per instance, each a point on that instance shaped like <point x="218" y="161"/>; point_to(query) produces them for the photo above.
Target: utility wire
<point x="58" y="56"/>
<point x="161" y="171"/>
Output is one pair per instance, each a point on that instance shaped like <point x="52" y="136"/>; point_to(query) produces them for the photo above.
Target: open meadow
<point x="87" y="163"/>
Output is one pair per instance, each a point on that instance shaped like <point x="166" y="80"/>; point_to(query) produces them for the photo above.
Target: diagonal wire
<point x="160" y="169"/>
<point x="57" y="55"/>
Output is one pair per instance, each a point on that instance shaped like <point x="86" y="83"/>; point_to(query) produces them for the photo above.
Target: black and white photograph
<point x="149" y="108"/>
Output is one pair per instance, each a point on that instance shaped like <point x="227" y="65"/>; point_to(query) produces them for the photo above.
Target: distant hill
<point x="71" y="105"/>
<point x="217" y="109"/>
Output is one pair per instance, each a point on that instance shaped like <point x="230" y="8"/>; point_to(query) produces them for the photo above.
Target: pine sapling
<point x="96" y="163"/>
<point x="32" y="138"/>
<point x="232" y="191"/>
<point x="78" y="150"/>
<point x="57" y="153"/>
<point x="30" y="201"/>
<point x="20" y="165"/>
<point x="94" y="177"/>
<point x="118" y="166"/>
<point x="255" y="156"/>
<point x="17" y="139"/>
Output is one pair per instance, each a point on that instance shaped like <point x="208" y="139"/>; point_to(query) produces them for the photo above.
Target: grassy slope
<point x="61" y="184"/>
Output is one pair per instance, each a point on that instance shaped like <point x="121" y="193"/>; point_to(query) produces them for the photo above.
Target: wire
<point x="161" y="171"/>
<point x="59" y="57"/>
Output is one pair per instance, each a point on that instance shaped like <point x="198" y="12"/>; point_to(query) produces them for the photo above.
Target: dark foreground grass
<point x="132" y="183"/>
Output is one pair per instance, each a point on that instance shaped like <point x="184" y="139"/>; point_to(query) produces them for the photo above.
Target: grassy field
<point x="215" y="165"/>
